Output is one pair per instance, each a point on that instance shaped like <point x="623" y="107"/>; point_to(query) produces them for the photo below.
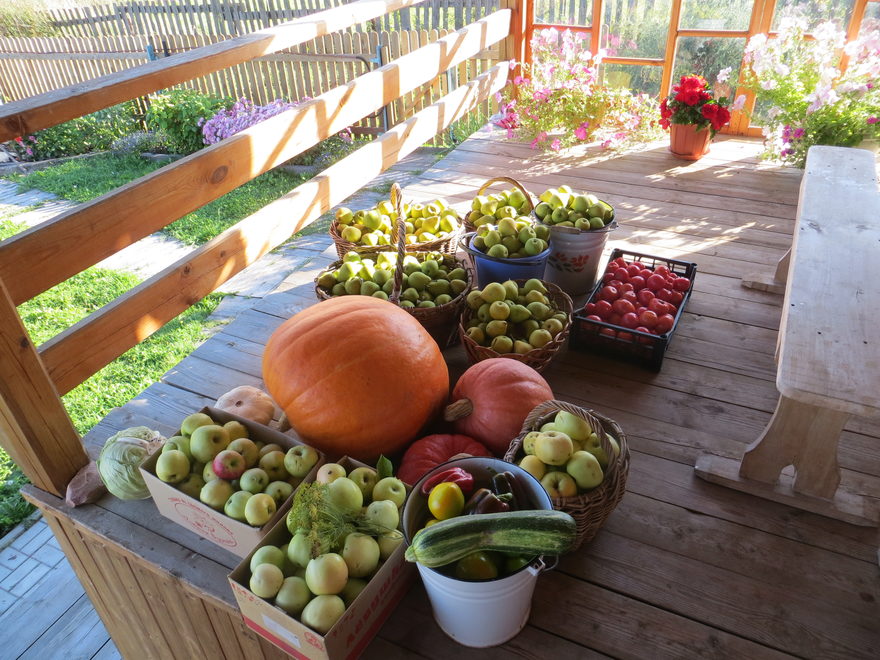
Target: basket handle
<point x="512" y="182"/>
<point x="543" y="409"/>
<point x="399" y="237"/>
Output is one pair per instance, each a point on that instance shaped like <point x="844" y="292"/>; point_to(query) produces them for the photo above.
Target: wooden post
<point x="514" y="47"/>
<point x="34" y="426"/>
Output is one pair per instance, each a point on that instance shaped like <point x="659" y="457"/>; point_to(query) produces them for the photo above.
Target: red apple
<point x="229" y="464"/>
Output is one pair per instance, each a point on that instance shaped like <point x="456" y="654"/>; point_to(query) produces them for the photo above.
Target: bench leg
<point x="801" y="435"/>
<point x="761" y="282"/>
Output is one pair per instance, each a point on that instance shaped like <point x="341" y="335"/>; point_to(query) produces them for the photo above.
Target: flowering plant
<point x="559" y="100"/>
<point x="808" y="99"/>
<point x="692" y="102"/>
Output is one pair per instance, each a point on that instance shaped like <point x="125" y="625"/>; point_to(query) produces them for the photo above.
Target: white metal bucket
<point x="574" y="257"/>
<point x="487" y="612"/>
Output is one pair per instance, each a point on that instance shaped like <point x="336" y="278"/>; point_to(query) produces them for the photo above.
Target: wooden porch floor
<point x="683" y="568"/>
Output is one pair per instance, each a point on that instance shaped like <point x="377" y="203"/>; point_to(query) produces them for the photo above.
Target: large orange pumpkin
<point x="356" y="375"/>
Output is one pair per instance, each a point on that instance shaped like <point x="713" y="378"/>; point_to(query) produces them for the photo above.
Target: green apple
<point x="529" y="441"/>
<point x="365" y="478"/>
<point x="266" y="580"/>
<point x="208" y="473"/>
<point x="259" y="508"/>
<point x="192" y="484"/>
<point x="541" y="337"/>
<point x="267" y="554"/>
<point x="384" y="514"/>
<point x="180" y="442"/>
<point x="293" y="595"/>
<point x="279" y="491"/>
<point x="352" y="590"/>
<point x="265" y="449"/>
<point x="599" y="453"/>
<point x="534" y="466"/>
<point x="615" y="447"/>
<point x="584" y="467"/>
<point x="299" y="460"/>
<point x="345" y="494"/>
<point x="247" y="448"/>
<point x="576" y="428"/>
<point x="361" y="554"/>
<point x="172" y="466"/>
<point x="329" y="472"/>
<point x="254" y="480"/>
<point x="388" y="543"/>
<point x="194" y="421"/>
<point x="215" y="493"/>
<point x="553" y="447"/>
<point x="234" y="507"/>
<point x="207" y="441"/>
<point x="299" y="550"/>
<point x="559" y="484"/>
<point x="322" y="612"/>
<point x="390" y="488"/>
<point x="273" y="464"/>
<point x="326" y="574"/>
<point x="236" y="429"/>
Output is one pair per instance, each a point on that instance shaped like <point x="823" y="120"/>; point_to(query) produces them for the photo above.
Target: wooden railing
<point x="34" y="428"/>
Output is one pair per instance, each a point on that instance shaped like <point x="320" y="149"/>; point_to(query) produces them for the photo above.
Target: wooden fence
<point x="30" y="66"/>
<point x="234" y="17"/>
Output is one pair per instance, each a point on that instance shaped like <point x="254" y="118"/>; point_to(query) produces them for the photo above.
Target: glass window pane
<point x="564" y="12"/>
<point x="635" y="29"/>
<point x="871" y="21"/>
<point x="715" y="14"/>
<point x="707" y="56"/>
<point x="640" y="78"/>
<point x="838" y="11"/>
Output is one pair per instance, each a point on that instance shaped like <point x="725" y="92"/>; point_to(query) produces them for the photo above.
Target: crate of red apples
<point x="634" y="309"/>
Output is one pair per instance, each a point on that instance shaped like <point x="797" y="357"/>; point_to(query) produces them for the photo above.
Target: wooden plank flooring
<point x="683" y="568"/>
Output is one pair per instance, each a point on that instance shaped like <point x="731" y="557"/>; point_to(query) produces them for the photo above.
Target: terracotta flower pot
<point x="687" y="142"/>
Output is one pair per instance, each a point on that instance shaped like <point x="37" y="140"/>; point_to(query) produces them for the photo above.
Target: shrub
<point x="179" y="114"/>
<point x="94" y="132"/>
<point x="244" y="114"/>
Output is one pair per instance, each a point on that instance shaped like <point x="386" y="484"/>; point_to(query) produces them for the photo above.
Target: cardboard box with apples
<point x="189" y="511"/>
<point x="352" y="631"/>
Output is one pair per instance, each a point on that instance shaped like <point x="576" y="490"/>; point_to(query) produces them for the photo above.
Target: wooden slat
<point x="39" y="258"/>
<point x="34" y="426"/>
<point x="25" y="117"/>
<point x="74" y="354"/>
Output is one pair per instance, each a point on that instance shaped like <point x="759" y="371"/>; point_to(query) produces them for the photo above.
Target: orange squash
<point x="355" y="375"/>
<point x="492" y="399"/>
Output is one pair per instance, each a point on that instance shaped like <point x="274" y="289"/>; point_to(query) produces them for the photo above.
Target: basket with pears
<point x="429" y="226"/>
<point x="526" y="320"/>
<point x="430" y="285"/>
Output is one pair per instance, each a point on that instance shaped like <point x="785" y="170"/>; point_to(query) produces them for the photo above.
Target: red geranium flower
<point x="692" y="103"/>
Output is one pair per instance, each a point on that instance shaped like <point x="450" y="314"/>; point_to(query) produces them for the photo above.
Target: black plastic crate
<point x="640" y="347"/>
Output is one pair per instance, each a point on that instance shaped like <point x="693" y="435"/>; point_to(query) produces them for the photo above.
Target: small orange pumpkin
<point x="492" y="399"/>
<point x="355" y="375"/>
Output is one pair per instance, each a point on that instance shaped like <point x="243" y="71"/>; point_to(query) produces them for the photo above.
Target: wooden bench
<point x="828" y="349"/>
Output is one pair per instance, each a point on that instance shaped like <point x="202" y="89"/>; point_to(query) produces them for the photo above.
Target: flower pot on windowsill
<point x="689" y="142"/>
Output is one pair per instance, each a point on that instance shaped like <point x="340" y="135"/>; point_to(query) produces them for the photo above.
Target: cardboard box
<point x="233" y="535"/>
<point x="351" y="633"/>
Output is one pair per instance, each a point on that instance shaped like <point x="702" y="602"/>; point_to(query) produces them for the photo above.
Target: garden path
<point x="44" y="612"/>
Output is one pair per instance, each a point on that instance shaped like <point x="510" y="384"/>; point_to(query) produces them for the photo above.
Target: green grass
<point x="84" y="179"/>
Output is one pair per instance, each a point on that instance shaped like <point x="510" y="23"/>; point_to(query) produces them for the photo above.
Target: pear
<point x="476" y="334"/>
<point x="419" y="280"/>
<point x="540" y="338"/>
<point x="511" y="290"/>
<point x="542" y="232"/>
<point x="338" y="289"/>
<point x="535" y="296"/>
<point x="426" y="303"/>
<point x="543" y="210"/>
<point x="326" y="280"/>
<point x="518" y="314"/>
<point x="498" y="251"/>
<point x="353" y="285"/>
<point x="344" y="216"/>
<point x="525" y="234"/>
<point x="438" y="287"/>
<point x="493" y="291"/>
<point x="492" y="238"/>
<point x="521" y="347"/>
<point x="496" y="328"/>
<point x="369" y="287"/>
<point x="596" y="223"/>
<point x="507" y="227"/>
<point x="534" y="246"/>
<point x="457" y="286"/>
<point x="474" y="300"/>
<point x="534" y="284"/>
<point x="380" y="294"/>
<point x="351" y="234"/>
<point x="483" y="313"/>
<point x="502" y="344"/>
<point x="442" y="299"/>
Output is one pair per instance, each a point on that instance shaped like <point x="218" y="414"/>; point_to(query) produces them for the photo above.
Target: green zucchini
<point x="537" y="532"/>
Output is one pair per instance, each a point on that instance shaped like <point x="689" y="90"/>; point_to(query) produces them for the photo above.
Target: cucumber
<point x="529" y="533"/>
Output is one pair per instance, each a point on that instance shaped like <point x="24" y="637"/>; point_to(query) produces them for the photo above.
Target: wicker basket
<point x="537" y="358"/>
<point x="469" y="226"/>
<point x="591" y="509"/>
<point x="447" y="244"/>
<point x="441" y="321"/>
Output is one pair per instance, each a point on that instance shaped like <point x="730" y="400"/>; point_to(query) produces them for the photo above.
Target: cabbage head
<point x="120" y="458"/>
